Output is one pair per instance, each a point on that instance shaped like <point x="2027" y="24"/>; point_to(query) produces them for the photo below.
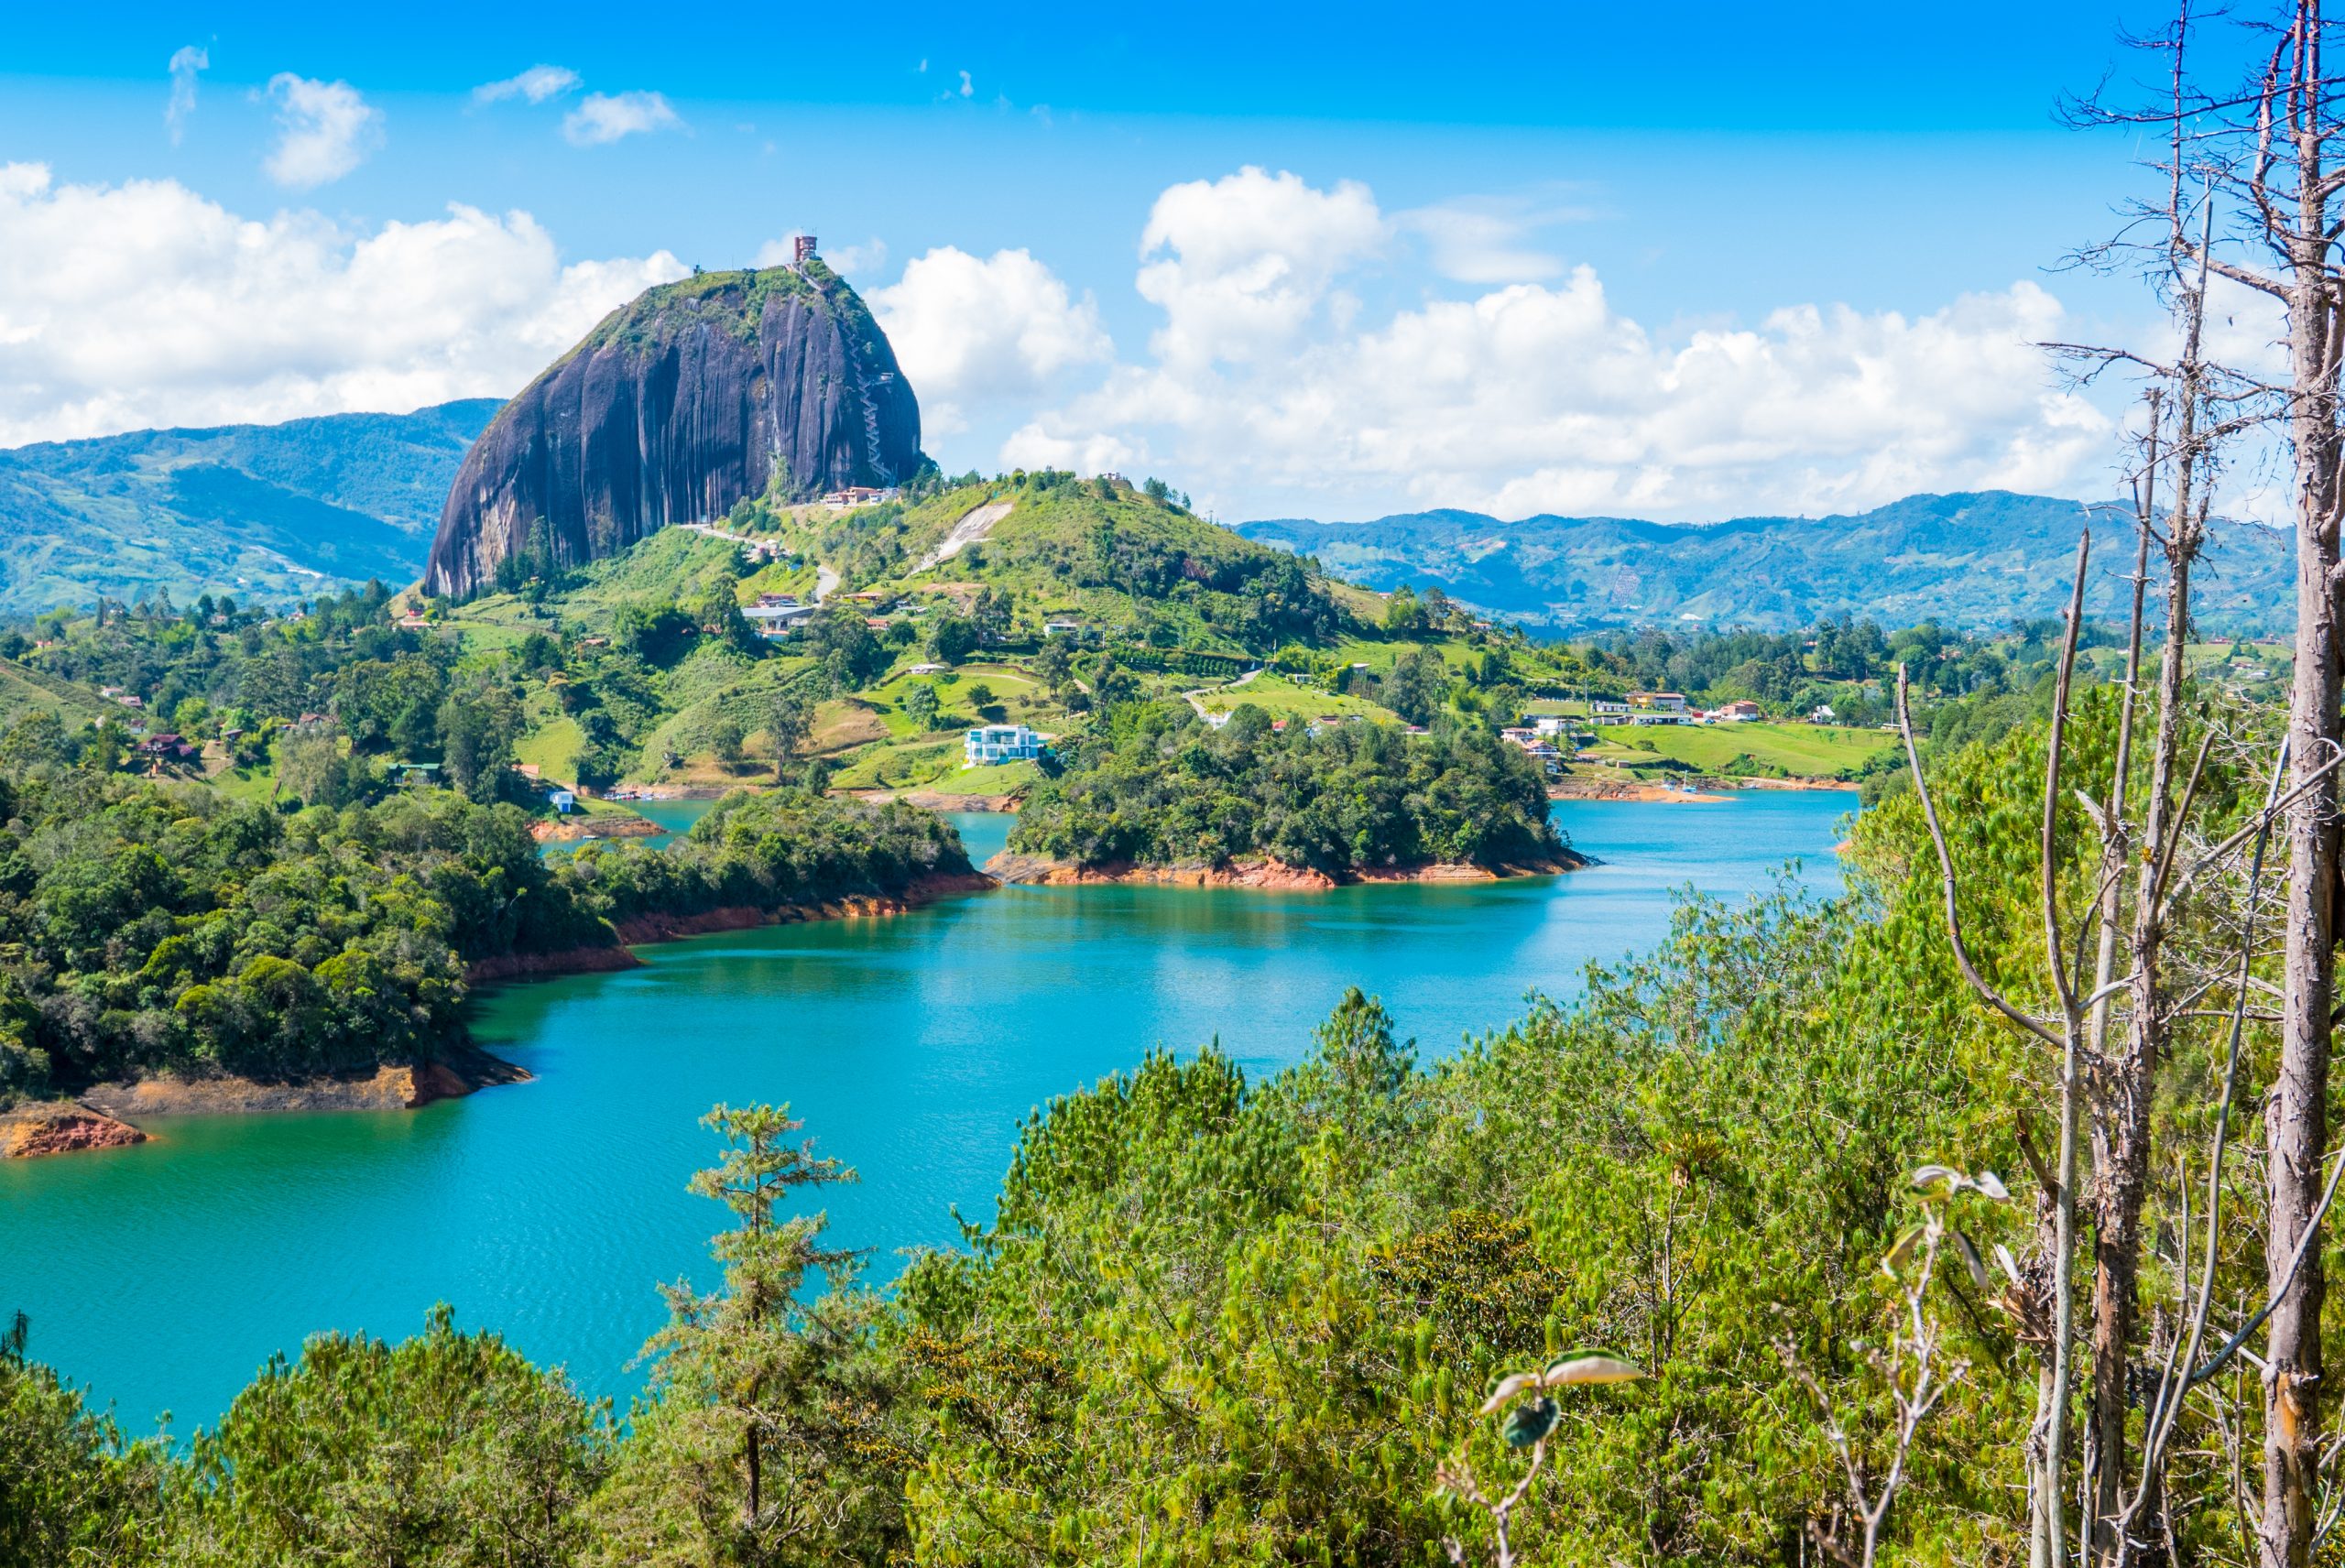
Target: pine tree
<point x="767" y="1403"/>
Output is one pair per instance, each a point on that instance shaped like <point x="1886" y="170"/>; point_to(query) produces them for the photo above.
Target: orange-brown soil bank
<point x="1265" y="873"/>
<point x="745" y="917"/>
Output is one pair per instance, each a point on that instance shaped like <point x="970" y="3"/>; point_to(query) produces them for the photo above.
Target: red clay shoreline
<point x="1266" y="873"/>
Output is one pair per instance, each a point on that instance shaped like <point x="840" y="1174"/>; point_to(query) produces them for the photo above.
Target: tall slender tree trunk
<point x="2121" y="1131"/>
<point x="749" y="1447"/>
<point x="2044" y="1545"/>
<point x="2151" y="1006"/>
<point x="2296" y="1114"/>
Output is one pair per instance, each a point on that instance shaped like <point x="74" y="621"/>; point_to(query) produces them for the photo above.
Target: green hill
<point x="1035" y="598"/>
<point x="1097" y="555"/>
<point x="277" y="512"/>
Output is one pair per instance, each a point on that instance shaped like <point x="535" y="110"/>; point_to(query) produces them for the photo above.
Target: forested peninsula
<point x="1153" y="793"/>
<point x="155" y="932"/>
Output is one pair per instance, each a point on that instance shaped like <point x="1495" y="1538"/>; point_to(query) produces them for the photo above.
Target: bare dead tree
<point x="2064" y="1033"/>
<point x="2293" y="184"/>
<point x="2264" y="147"/>
<point x="2136" y="855"/>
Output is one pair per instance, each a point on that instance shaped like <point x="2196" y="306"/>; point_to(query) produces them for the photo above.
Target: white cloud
<point x="859" y="260"/>
<point x="967" y="87"/>
<point x="997" y="329"/>
<point x="1541" y="396"/>
<point x="604" y="118"/>
<point x="326" y="129"/>
<point x="1240" y="264"/>
<point x="537" y="84"/>
<point x="1480" y="239"/>
<point x="143" y="304"/>
<point x="185" y="62"/>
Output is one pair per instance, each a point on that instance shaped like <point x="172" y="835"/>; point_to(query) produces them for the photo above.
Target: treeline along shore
<point x="168" y="949"/>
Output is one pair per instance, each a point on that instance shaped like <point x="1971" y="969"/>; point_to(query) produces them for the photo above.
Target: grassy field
<point x="553" y="748"/>
<point x="902" y="764"/>
<point x="1283" y="699"/>
<point x="1001" y="778"/>
<point x="256" y="785"/>
<point x="24" y="690"/>
<point x="672" y="565"/>
<point x="1806" y="750"/>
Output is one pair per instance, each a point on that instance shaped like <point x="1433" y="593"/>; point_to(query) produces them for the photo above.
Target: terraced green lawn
<point x="1001" y="778"/>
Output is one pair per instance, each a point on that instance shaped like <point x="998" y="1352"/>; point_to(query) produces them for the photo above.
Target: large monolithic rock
<point x="698" y="394"/>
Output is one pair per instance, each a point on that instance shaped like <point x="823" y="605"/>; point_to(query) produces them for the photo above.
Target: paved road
<point x="826" y="582"/>
<point x="1196" y="699"/>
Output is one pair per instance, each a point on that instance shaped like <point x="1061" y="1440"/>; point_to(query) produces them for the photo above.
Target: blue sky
<point x="1485" y="195"/>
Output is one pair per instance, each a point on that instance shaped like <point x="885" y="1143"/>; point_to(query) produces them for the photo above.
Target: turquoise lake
<point x="162" y="1277"/>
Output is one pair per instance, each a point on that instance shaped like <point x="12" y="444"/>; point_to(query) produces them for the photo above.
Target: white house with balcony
<point x="990" y="744"/>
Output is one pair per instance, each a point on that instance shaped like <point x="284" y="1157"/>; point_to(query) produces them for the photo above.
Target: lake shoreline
<point x="915" y="1048"/>
<point x="107" y="1115"/>
<point x="1708" y="793"/>
<point x="1638" y="794"/>
<point x="600" y="825"/>
<point x="1265" y="873"/>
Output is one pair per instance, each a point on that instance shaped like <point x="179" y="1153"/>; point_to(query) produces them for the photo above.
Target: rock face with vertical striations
<point x="699" y="394"/>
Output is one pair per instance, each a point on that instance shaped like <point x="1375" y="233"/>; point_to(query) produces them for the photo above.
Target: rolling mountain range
<point x="1977" y="561"/>
<point x="276" y="512"/>
<point x="282" y="511"/>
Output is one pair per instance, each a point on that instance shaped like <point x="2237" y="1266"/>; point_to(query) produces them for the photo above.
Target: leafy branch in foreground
<point x="1526" y="1425"/>
<point x="1911" y="1366"/>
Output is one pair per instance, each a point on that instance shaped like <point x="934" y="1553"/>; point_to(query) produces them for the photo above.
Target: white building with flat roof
<point x="990" y="744"/>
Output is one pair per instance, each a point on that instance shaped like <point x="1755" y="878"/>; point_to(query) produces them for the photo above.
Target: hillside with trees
<point x="1292" y="1294"/>
<point x="156" y="927"/>
<point x="264" y="512"/>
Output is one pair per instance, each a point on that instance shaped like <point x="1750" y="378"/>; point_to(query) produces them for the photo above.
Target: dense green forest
<point x="1221" y="1319"/>
<point x="157" y="927"/>
<point x="1153" y="784"/>
<point x="641" y="669"/>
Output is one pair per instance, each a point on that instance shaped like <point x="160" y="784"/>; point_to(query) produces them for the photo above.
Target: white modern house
<point x="990" y="744"/>
<point x="772" y="619"/>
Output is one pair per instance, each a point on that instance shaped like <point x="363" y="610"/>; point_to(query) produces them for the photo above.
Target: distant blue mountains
<point x="1977" y="561"/>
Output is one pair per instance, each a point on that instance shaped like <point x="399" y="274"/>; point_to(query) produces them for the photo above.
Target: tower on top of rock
<point x="803" y="248"/>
